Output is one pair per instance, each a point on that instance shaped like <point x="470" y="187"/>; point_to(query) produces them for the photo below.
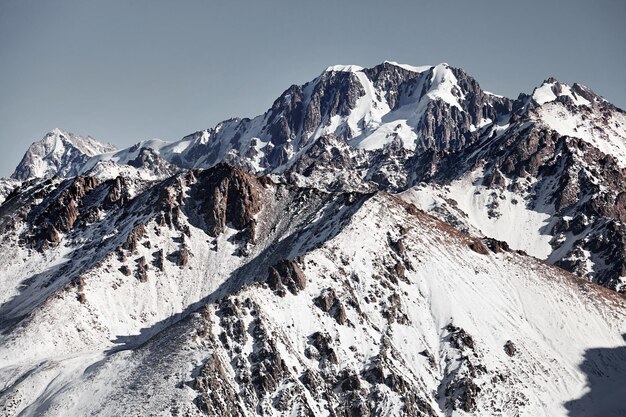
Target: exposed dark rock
<point x="159" y="259"/>
<point x="182" y="258"/>
<point x="142" y="269"/>
<point x="118" y="193"/>
<point x="459" y="338"/>
<point x="217" y="396"/>
<point x="397" y="246"/>
<point x="286" y="274"/>
<point x="379" y="373"/>
<point x="399" y="270"/>
<point x="430" y="357"/>
<point x="496" y="246"/>
<point x="322" y="342"/>
<point x="350" y="382"/>
<point x="226" y="195"/>
<point x="311" y="380"/>
<point x="134" y="237"/>
<point x="461" y="394"/>
<point x="59" y="211"/>
<point x="394" y="313"/>
<point x="81" y="298"/>
<point x="328" y="302"/>
<point x="267" y="367"/>
<point x="477" y="246"/>
<point x="510" y="348"/>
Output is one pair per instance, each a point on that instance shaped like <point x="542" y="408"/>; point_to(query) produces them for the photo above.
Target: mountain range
<point x="381" y="241"/>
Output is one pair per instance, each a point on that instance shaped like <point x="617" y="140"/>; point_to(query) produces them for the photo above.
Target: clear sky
<point x="124" y="71"/>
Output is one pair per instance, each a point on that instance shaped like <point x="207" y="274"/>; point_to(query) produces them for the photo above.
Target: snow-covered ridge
<point x="551" y="89"/>
<point x="357" y="68"/>
<point x="592" y="118"/>
<point x="385" y="116"/>
<point x="412" y="68"/>
<point x="372" y="124"/>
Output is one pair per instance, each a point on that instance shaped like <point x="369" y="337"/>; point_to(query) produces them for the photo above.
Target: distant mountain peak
<point x="58" y="153"/>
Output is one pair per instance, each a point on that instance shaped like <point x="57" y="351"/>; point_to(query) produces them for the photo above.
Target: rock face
<point x="60" y="212"/>
<point x="578" y="186"/>
<point x="227" y="196"/>
<point x="286" y="275"/>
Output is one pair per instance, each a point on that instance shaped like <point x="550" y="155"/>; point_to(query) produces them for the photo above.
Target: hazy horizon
<point x="122" y="72"/>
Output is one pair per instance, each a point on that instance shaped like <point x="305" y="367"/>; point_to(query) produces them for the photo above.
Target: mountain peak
<point x="551" y="89"/>
<point x="58" y="153"/>
<point x="412" y="68"/>
<point x="57" y="131"/>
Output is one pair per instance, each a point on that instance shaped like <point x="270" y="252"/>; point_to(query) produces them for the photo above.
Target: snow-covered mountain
<point x="279" y="266"/>
<point x="58" y="153"/>
<point x="394" y="127"/>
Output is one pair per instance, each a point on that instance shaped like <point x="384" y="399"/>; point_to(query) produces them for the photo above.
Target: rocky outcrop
<point x="134" y="237"/>
<point x="510" y="348"/>
<point x="329" y="303"/>
<point x="118" y="193"/>
<point x="286" y="275"/>
<point x="579" y="186"/>
<point x="58" y="212"/>
<point x="217" y="397"/>
<point x="142" y="269"/>
<point x="478" y="246"/>
<point x="226" y="195"/>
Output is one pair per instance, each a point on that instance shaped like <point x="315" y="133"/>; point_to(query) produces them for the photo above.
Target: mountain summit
<point x="58" y="153"/>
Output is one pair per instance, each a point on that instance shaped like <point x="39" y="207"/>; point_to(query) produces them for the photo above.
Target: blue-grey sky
<point x="123" y="71"/>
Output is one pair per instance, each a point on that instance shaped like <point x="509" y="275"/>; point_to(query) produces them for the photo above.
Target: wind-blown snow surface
<point x="69" y="358"/>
